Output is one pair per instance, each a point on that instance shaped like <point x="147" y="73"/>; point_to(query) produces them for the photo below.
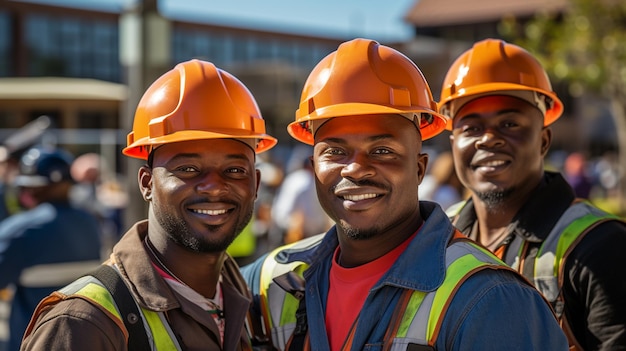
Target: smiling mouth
<point x="359" y="197"/>
<point x="495" y="163"/>
<point x="210" y="212"/>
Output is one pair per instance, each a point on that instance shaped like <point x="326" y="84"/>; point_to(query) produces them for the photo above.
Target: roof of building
<point x="25" y="88"/>
<point x="434" y="13"/>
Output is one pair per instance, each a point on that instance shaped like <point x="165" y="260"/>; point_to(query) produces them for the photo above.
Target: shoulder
<point x="281" y="260"/>
<point x="499" y="289"/>
<point x="601" y="249"/>
<point x="20" y="222"/>
<point x="496" y="308"/>
<point x="73" y="324"/>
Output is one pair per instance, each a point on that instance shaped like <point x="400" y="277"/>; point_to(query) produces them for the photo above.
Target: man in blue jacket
<point x="393" y="273"/>
<point x="50" y="244"/>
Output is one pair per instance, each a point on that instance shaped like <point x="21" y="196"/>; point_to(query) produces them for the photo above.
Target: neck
<point x="493" y="222"/>
<point x="198" y="271"/>
<point x="356" y="252"/>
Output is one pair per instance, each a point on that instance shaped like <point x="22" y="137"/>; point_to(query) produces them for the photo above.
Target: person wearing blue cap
<point x="50" y="243"/>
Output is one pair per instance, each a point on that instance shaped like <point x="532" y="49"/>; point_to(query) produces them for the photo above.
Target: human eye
<point x="469" y="129"/>
<point x="382" y="151"/>
<point x="237" y="172"/>
<point x="333" y="151"/>
<point x="186" y="169"/>
<point x="510" y="124"/>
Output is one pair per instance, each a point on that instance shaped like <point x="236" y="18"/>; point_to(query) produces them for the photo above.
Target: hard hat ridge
<point x="495" y="67"/>
<point x="194" y="101"/>
<point x="363" y="77"/>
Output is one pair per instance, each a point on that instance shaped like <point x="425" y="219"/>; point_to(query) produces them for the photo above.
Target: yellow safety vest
<point x="570" y="229"/>
<point x="160" y="335"/>
<point x="423" y="312"/>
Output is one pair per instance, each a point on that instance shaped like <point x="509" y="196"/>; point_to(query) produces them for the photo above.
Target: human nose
<point x="212" y="183"/>
<point x="358" y="167"/>
<point x="489" y="139"/>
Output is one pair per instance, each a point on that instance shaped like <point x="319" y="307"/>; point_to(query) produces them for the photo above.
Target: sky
<point x="344" y="19"/>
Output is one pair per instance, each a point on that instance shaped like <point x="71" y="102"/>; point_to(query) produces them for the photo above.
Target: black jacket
<point x="594" y="278"/>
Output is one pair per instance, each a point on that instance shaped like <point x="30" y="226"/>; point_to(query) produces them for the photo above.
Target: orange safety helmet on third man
<point x="365" y="78"/>
<point x="495" y="67"/>
<point x="195" y="101"/>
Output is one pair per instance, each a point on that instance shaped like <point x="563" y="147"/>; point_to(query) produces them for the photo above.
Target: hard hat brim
<point x="296" y="130"/>
<point x="141" y="148"/>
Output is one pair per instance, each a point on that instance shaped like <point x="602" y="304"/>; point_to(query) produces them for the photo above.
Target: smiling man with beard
<point x="500" y="105"/>
<point x="393" y="273"/>
<point x="199" y="129"/>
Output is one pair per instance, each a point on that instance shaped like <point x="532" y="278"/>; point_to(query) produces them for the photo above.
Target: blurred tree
<point x="583" y="46"/>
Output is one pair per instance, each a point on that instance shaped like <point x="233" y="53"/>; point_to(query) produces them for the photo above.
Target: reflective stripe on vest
<point x="55" y="274"/>
<point x="423" y="315"/>
<point x="282" y="307"/>
<point x="160" y="335"/>
<point x="425" y="311"/>
<point x="575" y="221"/>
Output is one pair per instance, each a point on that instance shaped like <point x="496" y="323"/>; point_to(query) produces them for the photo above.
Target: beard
<point x="494" y="198"/>
<point x="180" y="233"/>
<point x="354" y="233"/>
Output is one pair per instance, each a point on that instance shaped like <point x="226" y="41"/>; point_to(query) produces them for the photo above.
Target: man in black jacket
<point x="500" y="104"/>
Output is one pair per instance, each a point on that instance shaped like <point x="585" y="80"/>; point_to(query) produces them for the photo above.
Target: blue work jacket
<point x="492" y="309"/>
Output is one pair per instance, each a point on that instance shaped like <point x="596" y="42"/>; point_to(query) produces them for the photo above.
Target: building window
<point x="5" y="42"/>
<point x="72" y="47"/>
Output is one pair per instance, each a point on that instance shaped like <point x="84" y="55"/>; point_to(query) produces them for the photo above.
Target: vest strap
<point x="137" y="338"/>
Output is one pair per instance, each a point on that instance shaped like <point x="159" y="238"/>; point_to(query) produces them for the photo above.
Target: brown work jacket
<point x="75" y="324"/>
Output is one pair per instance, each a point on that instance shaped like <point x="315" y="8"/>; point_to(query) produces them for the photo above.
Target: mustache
<point x="347" y="183"/>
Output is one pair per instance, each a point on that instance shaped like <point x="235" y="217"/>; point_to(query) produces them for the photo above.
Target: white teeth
<point x="492" y="164"/>
<point x="210" y="212"/>
<point x="359" y="197"/>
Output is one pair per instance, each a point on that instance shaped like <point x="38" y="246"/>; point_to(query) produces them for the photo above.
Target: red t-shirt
<point x="348" y="290"/>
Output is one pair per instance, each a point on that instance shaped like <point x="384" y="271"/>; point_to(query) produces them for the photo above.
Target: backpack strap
<point x="137" y="337"/>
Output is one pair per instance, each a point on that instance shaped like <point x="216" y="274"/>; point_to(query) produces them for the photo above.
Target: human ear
<point x="144" y="178"/>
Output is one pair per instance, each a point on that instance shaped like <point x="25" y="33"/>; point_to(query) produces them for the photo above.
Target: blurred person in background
<point x="97" y="191"/>
<point x="198" y="129"/>
<point x="11" y="149"/>
<point x="9" y="203"/>
<point x="576" y="173"/>
<point x="49" y="244"/>
<point x="296" y="211"/>
<point x="441" y="184"/>
<point x="501" y="106"/>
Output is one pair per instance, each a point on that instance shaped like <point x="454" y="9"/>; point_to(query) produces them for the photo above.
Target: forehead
<point x="206" y="148"/>
<point x="493" y="104"/>
<point x="392" y="126"/>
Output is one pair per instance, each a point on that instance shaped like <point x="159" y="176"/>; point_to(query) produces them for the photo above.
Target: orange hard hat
<point x="195" y="101"/>
<point x="365" y="78"/>
<point x="495" y="67"/>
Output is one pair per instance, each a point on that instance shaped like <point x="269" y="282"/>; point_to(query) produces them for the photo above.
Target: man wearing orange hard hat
<point x="169" y="283"/>
<point x="501" y="106"/>
<point x="392" y="273"/>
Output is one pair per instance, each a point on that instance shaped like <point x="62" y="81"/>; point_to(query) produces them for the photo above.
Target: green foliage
<point x="584" y="46"/>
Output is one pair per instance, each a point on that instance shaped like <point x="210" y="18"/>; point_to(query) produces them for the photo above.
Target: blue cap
<point x="40" y="166"/>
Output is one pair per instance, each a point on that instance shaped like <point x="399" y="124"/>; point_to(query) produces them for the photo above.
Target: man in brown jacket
<point x="199" y="129"/>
